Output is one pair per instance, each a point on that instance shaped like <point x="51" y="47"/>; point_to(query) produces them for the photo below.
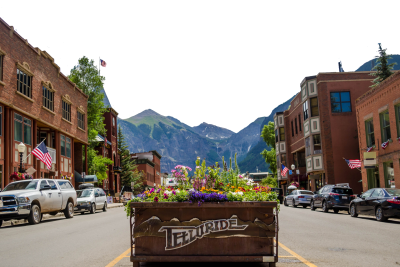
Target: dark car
<point x="336" y="197"/>
<point x="383" y="203"/>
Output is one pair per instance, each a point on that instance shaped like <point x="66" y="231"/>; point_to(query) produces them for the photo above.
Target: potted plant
<point x="217" y="208"/>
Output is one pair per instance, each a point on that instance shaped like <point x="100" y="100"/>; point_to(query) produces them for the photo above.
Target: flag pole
<point x="34" y="148"/>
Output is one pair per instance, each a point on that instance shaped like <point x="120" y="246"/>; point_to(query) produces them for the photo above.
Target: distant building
<point x="319" y="130"/>
<point x="378" y="120"/>
<point x="149" y="163"/>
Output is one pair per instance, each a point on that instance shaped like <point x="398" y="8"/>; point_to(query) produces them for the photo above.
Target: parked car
<point x="90" y="200"/>
<point x="383" y="203"/>
<point x="299" y="197"/>
<point x="30" y="199"/>
<point x="336" y="197"/>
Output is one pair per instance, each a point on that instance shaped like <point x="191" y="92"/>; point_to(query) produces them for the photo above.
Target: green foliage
<point x="270" y="158"/>
<point x="99" y="165"/>
<point x="129" y="169"/>
<point x="383" y="68"/>
<point x="85" y="75"/>
<point x="268" y="134"/>
<point x="270" y="181"/>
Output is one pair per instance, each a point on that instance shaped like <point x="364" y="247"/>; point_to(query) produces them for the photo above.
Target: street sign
<point x="290" y="172"/>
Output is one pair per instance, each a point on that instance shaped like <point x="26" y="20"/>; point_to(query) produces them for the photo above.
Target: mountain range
<point x="179" y="143"/>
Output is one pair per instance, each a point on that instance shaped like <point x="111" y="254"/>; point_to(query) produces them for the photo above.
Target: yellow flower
<point x="148" y="195"/>
<point x="220" y="193"/>
<point x="232" y="186"/>
<point x="203" y="188"/>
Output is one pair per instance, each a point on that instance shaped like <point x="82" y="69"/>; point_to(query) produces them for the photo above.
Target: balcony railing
<point x="319" y="151"/>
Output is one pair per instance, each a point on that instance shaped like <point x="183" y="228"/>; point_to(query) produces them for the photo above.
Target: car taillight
<point x="394" y="201"/>
<point x="333" y="194"/>
<point x="353" y="196"/>
<point x="301" y="196"/>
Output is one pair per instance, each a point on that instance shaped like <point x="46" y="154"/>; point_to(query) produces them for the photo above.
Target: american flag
<point x="103" y="63"/>
<point x="369" y="149"/>
<point x="385" y="144"/>
<point x="42" y="153"/>
<point x="284" y="170"/>
<point x="353" y="163"/>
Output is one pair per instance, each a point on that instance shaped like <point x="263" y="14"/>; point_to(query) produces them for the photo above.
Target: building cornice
<point x="393" y="78"/>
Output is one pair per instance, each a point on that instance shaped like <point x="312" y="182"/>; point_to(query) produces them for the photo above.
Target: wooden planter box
<point x="211" y="232"/>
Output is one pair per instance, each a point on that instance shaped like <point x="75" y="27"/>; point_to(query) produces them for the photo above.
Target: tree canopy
<point x="268" y="136"/>
<point x="383" y="68"/>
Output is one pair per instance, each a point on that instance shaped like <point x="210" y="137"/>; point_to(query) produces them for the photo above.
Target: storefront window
<point x="373" y="178"/>
<point x="65" y="146"/>
<point x="22" y="129"/>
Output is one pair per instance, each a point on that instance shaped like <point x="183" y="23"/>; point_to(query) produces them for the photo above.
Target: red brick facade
<point x="149" y="163"/>
<point x="325" y="137"/>
<point x="24" y="117"/>
<point x="372" y="108"/>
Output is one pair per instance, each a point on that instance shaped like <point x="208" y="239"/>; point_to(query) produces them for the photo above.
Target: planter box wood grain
<point x="211" y="232"/>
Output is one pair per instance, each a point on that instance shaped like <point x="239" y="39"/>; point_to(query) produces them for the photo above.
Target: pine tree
<point x="383" y="68"/>
<point x="129" y="169"/>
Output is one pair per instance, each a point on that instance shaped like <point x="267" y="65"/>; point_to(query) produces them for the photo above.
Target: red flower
<point x="156" y="199"/>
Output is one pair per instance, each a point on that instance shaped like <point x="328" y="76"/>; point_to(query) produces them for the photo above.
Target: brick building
<point x="319" y="130"/>
<point x="378" y="120"/>
<point x="149" y="163"/>
<point x="112" y="184"/>
<point x="38" y="102"/>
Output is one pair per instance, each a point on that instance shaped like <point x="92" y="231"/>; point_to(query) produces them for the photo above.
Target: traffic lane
<point x="85" y="240"/>
<point x="329" y="239"/>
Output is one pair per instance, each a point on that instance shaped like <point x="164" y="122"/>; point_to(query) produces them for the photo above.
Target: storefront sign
<point x="180" y="236"/>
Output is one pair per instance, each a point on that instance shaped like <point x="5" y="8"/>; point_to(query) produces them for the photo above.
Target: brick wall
<point x="384" y="97"/>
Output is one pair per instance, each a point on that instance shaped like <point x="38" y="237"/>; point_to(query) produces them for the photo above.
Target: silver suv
<point x="91" y="199"/>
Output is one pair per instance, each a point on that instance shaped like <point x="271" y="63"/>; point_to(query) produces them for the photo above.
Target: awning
<point x="88" y="179"/>
<point x="100" y="138"/>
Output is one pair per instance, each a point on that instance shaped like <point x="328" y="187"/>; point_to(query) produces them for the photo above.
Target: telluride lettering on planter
<point x="180" y="236"/>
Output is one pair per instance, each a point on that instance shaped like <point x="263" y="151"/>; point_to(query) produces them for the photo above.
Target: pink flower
<point x="165" y="196"/>
<point x="173" y="192"/>
<point x="152" y="190"/>
<point x="158" y="191"/>
<point x="156" y="199"/>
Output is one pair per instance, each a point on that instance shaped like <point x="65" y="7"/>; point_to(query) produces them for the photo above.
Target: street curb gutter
<point x="48" y="216"/>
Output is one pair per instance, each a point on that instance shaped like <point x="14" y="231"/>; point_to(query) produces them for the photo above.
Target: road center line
<point x="303" y="260"/>
<point x="117" y="259"/>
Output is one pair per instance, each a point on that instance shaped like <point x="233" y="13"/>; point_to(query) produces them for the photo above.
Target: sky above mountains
<point x="195" y="73"/>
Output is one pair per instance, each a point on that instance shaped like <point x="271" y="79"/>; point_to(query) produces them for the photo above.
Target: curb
<point x="48" y="216"/>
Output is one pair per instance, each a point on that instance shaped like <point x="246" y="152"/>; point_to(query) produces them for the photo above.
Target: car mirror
<point x="96" y="195"/>
<point x="45" y="187"/>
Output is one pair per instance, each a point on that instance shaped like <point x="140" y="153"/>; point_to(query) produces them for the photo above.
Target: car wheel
<point x="379" y="215"/>
<point x="324" y="207"/>
<point x="105" y="207"/>
<point x="69" y="210"/>
<point x="312" y="206"/>
<point x="335" y="210"/>
<point x="305" y="206"/>
<point x="92" y="209"/>
<point x="285" y="203"/>
<point x="353" y="212"/>
<point x="35" y="216"/>
<point x="294" y="204"/>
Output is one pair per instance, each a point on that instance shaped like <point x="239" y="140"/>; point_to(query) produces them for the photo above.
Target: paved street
<point x="307" y="239"/>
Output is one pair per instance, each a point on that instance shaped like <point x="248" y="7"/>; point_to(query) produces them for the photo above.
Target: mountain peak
<point x="148" y="112"/>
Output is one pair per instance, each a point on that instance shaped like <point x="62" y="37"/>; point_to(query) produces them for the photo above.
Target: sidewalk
<point x="48" y="216"/>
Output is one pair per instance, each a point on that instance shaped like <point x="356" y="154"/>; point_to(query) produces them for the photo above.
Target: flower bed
<point x="209" y="184"/>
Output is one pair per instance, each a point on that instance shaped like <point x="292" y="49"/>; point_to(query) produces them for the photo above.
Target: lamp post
<point x="293" y="167"/>
<point x="21" y="150"/>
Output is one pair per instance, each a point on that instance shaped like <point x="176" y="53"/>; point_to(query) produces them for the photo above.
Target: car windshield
<point x="393" y="192"/>
<point x="306" y="193"/>
<point x="86" y="193"/>
<point x="346" y="191"/>
<point x="25" y="185"/>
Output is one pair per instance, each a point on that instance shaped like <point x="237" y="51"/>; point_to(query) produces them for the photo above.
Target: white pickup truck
<point x="30" y="199"/>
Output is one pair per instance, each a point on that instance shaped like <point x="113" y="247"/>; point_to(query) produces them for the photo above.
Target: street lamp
<point x="21" y="150"/>
<point x="293" y="167"/>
